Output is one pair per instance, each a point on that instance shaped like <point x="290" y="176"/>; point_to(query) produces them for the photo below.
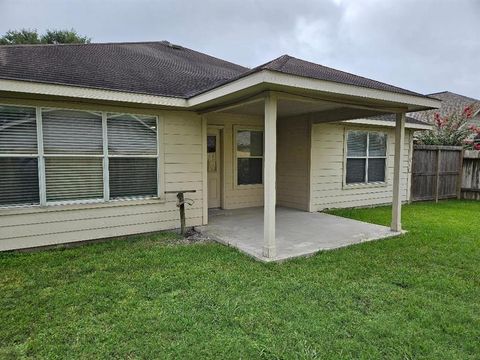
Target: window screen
<point x="132" y="134"/>
<point x="67" y="133"/>
<point x="19" y="181"/>
<point x="133" y="177"/>
<point x="72" y="132"/>
<point x="249" y="149"/>
<point x="366" y="157"/>
<point x="132" y="149"/>
<point x="18" y="156"/>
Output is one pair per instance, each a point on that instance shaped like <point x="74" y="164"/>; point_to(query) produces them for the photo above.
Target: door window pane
<point x="212" y="153"/>
<point x="211" y="143"/>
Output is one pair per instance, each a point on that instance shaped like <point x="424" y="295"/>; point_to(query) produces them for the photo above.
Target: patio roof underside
<point x="320" y="105"/>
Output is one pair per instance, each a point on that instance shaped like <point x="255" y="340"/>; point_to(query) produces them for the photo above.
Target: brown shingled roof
<point x="290" y="65"/>
<point x="156" y="68"/>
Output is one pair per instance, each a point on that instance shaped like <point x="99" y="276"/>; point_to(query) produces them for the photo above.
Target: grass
<point x="410" y="297"/>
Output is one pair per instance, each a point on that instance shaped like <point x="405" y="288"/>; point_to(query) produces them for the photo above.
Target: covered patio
<point x="290" y="91"/>
<point x="298" y="233"/>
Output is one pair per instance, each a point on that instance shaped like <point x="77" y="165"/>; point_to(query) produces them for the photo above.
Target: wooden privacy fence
<point x="436" y="172"/>
<point x="471" y="175"/>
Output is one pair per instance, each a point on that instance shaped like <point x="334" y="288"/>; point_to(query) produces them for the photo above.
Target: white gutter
<point x="88" y="93"/>
<point x="276" y="78"/>
<point x="264" y="77"/>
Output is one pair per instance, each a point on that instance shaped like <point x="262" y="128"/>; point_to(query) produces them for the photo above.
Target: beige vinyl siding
<point x="327" y="169"/>
<point x="182" y="169"/>
<point x="233" y="196"/>
<point x="293" y="160"/>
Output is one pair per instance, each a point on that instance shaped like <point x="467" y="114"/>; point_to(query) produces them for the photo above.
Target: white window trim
<point x="40" y="155"/>
<point x="236" y="129"/>
<point x="365" y="184"/>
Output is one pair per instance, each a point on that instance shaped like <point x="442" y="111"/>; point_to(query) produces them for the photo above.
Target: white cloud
<point x="426" y="46"/>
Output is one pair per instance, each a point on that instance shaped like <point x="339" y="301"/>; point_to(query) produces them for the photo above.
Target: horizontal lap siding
<point x="293" y="152"/>
<point x="327" y="170"/>
<point x="183" y="170"/>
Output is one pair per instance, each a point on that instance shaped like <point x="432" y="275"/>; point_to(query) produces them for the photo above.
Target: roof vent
<point x="170" y="45"/>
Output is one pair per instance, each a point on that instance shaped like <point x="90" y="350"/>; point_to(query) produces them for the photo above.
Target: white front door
<point x="214" y="168"/>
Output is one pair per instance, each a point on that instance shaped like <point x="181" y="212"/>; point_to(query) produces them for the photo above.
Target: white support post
<point x="270" y="159"/>
<point x="397" y="172"/>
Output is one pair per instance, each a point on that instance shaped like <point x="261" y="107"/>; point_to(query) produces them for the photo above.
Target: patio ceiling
<point x="319" y="110"/>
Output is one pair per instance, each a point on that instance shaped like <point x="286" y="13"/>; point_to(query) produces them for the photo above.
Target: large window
<point x="51" y="156"/>
<point x="249" y="155"/>
<point x="366" y="157"/>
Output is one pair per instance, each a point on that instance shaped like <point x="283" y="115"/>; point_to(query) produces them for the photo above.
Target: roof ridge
<point x="164" y="42"/>
<point x="440" y="92"/>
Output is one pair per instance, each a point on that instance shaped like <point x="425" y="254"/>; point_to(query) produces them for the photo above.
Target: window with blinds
<point x="18" y="156"/>
<point x="56" y="156"/>
<point x="366" y="157"/>
<point x="73" y="148"/>
<point x="133" y="156"/>
<point x="249" y="151"/>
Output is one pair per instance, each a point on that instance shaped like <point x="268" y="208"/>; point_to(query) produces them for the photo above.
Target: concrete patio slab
<point x="298" y="233"/>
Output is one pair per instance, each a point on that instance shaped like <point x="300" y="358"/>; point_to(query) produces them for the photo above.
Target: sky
<point x="421" y="45"/>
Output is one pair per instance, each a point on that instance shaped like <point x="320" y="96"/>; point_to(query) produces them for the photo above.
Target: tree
<point x="454" y="129"/>
<point x="28" y="36"/>
<point x="23" y="36"/>
<point x="64" y="37"/>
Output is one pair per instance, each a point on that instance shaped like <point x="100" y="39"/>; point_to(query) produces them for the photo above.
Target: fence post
<point x="460" y="175"/>
<point x="437" y="176"/>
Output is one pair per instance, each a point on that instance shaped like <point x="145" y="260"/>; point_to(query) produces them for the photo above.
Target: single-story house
<point x="94" y="137"/>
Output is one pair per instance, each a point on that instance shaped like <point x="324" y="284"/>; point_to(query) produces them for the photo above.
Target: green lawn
<point x="415" y="296"/>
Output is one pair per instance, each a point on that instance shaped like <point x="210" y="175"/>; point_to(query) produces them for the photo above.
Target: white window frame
<point x="366" y="157"/>
<point x="107" y="157"/>
<point x="43" y="156"/>
<point x="236" y="129"/>
<point x="40" y="156"/>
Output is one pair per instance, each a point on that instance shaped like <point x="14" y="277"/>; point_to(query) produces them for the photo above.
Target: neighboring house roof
<point x="392" y="118"/>
<point x="450" y="103"/>
<point x="155" y="68"/>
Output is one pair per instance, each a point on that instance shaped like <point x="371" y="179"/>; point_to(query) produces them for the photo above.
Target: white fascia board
<point x="265" y="77"/>
<point x="88" y="93"/>
<point x="276" y="78"/>
<point x="375" y="122"/>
